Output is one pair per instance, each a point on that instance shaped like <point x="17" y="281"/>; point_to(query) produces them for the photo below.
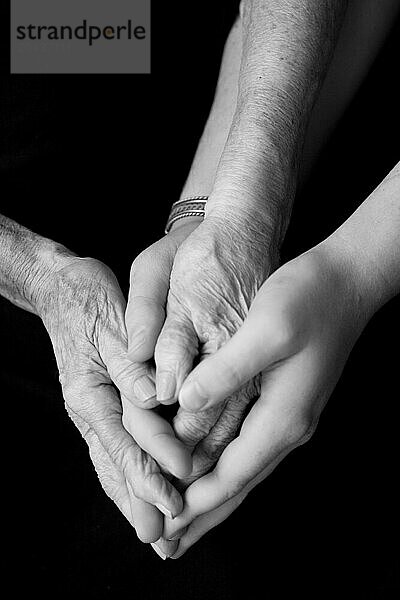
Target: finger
<point x="165" y="548"/>
<point x="225" y="429"/>
<point x="175" y="350"/>
<point x="134" y="381"/>
<point x="147" y="519"/>
<point x="111" y="478"/>
<point x="191" y="427"/>
<point x="156" y="436"/>
<point x="145" y="312"/>
<point x="101" y="409"/>
<point x="204" y="523"/>
<point x="259" y="343"/>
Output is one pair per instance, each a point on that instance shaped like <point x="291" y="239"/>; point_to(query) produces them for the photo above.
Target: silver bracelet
<point x="195" y="206"/>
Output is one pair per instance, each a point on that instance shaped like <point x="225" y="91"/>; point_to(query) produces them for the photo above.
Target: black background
<point x="95" y="162"/>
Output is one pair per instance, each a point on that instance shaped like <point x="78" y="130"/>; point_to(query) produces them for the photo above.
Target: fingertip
<point x="178" y="554"/>
<point x="145" y="391"/>
<point x="147" y="521"/>
<point x="192" y="397"/>
<point x="159" y="552"/>
<point x="166" y="387"/>
<point x="146" y="404"/>
<point x="148" y="537"/>
<point x="182" y="466"/>
<point x="170" y="503"/>
<point x="171" y="454"/>
<point x="165" y="548"/>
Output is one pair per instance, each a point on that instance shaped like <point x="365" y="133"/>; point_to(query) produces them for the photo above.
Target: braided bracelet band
<point x="188" y="207"/>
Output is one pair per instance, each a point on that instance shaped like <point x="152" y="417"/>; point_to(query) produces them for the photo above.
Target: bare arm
<point x="364" y="28"/>
<point x="369" y="242"/>
<point x="26" y="261"/>
<point x="287" y="46"/>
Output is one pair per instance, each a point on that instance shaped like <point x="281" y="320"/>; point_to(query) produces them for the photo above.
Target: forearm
<point x="368" y="244"/>
<point x="287" y="46"/>
<point x="27" y="260"/>
<point x="201" y="177"/>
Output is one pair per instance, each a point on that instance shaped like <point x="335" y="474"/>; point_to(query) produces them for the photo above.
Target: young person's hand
<point x="300" y="329"/>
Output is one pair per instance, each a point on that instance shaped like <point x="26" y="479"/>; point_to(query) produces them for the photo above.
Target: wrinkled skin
<point x="82" y="308"/>
<point x="210" y="273"/>
<point x="189" y="293"/>
<point x="299" y="332"/>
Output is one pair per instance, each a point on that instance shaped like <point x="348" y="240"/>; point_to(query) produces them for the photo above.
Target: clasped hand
<point x="251" y="359"/>
<point x="286" y="354"/>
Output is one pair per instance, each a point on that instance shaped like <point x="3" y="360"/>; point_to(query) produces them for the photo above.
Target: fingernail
<point x="144" y="388"/>
<point x="164" y="510"/>
<point x="158" y="551"/>
<point x="191" y="397"/>
<point x="136" y="341"/>
<point x="166" y="387"/>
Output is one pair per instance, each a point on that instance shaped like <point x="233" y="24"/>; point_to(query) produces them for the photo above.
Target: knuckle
<point x="84" y="428"/>
<point x="117" y="451"/>
<point x="173" y="332"/>
<point x="193" y="427"/>
<point x="300" y="430"/>
<point x="122" y="372"/>
<point x="280" y="334"/>
<point x="151" y="484"/>
<point x="209" y="451"/>
<point x="74" y="388"/>
<point x="173" y="340"/>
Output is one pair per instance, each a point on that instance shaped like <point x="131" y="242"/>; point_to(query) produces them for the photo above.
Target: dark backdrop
<point x="95" y="162"/>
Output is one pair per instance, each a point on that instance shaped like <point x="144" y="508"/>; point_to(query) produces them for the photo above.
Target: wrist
<point x="186" y="208"/>
<point x="189" y="222"/>
<point x="265" y="220"/>
<point x="29" y="265"/>
<point x="366" y="291"/>
<point x="27" y="260"/>
<point x="256" y="178"/>
<point x="50" y="259"/>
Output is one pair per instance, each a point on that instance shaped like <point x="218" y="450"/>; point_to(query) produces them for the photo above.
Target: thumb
<point x="255" y="346"/>
<point x="145" y="313"/>
<point x="176" y="348"/>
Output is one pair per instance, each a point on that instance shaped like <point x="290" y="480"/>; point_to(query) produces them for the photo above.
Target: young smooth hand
<point x="299" y="332"/>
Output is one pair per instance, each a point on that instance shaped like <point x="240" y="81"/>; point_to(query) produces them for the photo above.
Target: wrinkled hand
<point x="300" y="329"/>
<point x="83" y="311"/>
<point x="210" y="273"/>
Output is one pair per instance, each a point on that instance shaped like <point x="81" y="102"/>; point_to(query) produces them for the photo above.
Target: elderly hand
<point x="210" y="273"/>
<point x="300" y="329"/>
<point x="83" y="308"/>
